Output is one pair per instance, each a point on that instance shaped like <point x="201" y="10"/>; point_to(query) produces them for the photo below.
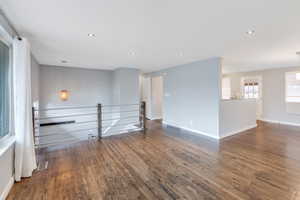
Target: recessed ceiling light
<point x="250" y="32"/>
<point x="64" y="61"/>
<point x="132" y="53"/>
<point x="92" y="35"/>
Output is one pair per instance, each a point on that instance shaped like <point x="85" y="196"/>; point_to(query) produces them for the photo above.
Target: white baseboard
<point x="7" y="188"/>
<point x="209" y="135"/>
<point x="238" y="131"/>
<point x="280" y="122"/>
<point x="191" y="130"/>
<point x="155" y="118"/>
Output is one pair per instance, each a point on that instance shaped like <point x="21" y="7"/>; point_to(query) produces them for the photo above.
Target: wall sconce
<point x="64" y="95"/>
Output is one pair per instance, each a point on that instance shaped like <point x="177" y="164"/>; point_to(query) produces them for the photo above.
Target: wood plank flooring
<point x="167" y="163"/>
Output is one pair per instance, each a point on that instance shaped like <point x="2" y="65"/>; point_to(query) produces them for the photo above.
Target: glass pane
<point x="293" y="99"/>
<point x="4" y="89"/>
<point x="251" y="91"/>
<point x="246" y="90"/>
<point x="256" y="89"/>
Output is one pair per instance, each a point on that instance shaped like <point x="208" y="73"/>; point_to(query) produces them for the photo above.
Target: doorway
<point x="251" y="88"/>
<point x="157" y="97"/>
<point x="153" y="96"/>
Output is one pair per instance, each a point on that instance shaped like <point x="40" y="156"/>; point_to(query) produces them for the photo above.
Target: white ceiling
<point x="156" y="34"/>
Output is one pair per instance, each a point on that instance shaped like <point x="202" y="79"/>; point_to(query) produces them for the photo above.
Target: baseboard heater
<point x="58" y="123"/>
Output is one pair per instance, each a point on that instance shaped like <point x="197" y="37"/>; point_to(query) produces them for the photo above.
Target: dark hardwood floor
<point x="262" y="163"/>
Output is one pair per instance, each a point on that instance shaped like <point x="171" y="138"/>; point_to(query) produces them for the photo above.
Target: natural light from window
<point x="251" y="90"/>
<point x="4" y="89"/>
<point x="226" y="88"/>
<point x="292" y="86"/>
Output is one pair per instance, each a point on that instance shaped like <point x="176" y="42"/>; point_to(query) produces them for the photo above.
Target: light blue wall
<point x="126" y="86"/>
<point x="35" y="77"/>
<point x="192" y="96"/>
<point x="85" y="86"/>
<point x="126" y="90"/>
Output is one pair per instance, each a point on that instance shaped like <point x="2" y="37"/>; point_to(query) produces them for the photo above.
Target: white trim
<point x="238" y="131"/>
<point x="286" y="85"/>
<point x="155" y="118"/>
<point x="191" y="130"/>
<point x="280" y="122"/>
<point x="6" y="143"/>
<point x="209" y="135"/>
<point x="7" y="188"/>
<point x="5" y="36"/>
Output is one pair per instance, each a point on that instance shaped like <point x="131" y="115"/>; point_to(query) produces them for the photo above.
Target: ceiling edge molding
<point x="7" y="25"/>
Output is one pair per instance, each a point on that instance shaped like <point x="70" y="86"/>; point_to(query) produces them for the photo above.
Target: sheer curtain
<point x="25" y="161"/>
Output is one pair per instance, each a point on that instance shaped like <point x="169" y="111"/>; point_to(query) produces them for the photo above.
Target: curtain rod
<point x="13" y="30"/>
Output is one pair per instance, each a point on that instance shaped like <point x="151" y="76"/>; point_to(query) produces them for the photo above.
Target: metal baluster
<point x="144" y="116"/>
<point x="99" y="115"/>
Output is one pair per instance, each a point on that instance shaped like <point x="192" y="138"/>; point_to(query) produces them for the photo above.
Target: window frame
<point x="286" y="86"/>
<point x="257" y="79"/>
<point x="7" y="40"/>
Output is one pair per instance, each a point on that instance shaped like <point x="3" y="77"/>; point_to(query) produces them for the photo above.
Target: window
<point x="292" y="85"/>
<point x="251" y="90"/>
<point x="4" y="89"/>
<point x="251" y="87"/>
<point x="226" y="88"/>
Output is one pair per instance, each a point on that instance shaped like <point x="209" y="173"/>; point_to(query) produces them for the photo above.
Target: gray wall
<point x="126" y="90"/>
<point x="35" y="80"/>
<point x="85" y="86"/>
<point x="192" y="96"/>
<point x="273" y="93"/>
<point x="127" y="86"/>
<point x="237" y="116"/>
